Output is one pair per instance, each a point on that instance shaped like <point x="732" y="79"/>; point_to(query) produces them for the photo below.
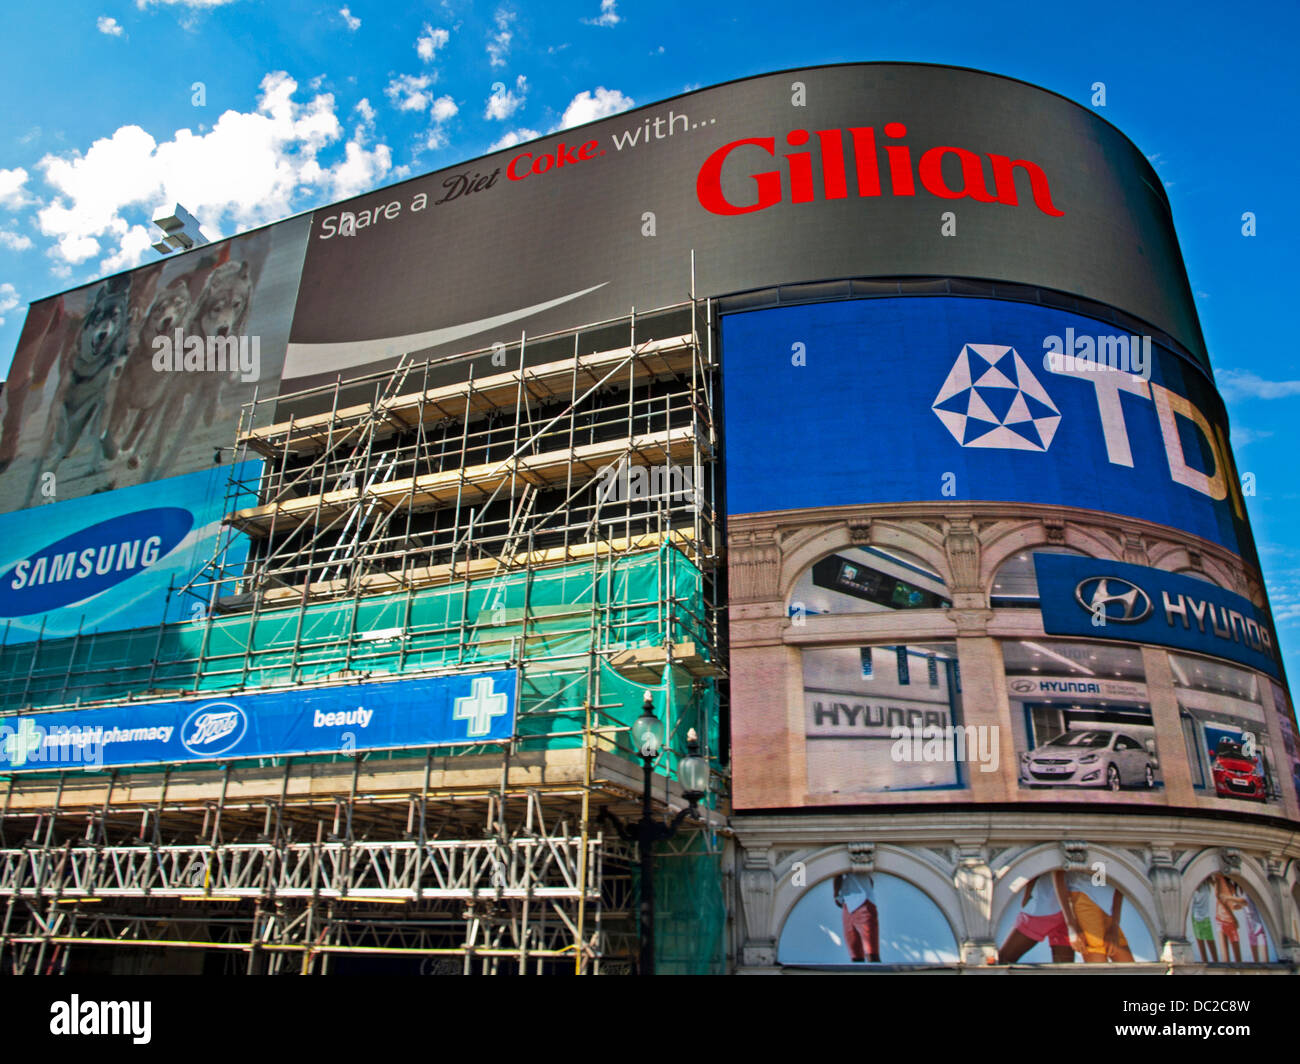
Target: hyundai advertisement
<point x="432" y="711"/>
<point x="1113" y="600"/>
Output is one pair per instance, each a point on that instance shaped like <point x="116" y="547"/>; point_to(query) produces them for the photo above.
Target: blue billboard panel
<point x="942" y="398"/>
<point x="107" y="562"/>
<point x="431" y="711"/>
<point x="1113" y="600"/>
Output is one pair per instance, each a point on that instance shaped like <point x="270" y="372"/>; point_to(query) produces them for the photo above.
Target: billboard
<point x="114" y="560"/>
<point x="942" y="399"/>
<point x="1101" y="599"/>
<point x="142" y="376"/>
<point x="432" y="711"/>
<point x="806" y="175"/>
<point x="802" y="176"/>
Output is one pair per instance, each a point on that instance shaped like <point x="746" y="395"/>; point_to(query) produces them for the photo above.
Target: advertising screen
<point x="808" y="175"/>
<point x="944" y="399"/>
<point x="142" y="376"/>
<point x="1113" y="600"/>
<point x="114" y="560"/>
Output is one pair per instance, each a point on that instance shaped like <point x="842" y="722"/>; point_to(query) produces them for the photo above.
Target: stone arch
<point x="1122" y="871"/>
<point x="1002" y="548"/>
<point x="1203" y="864"/>
<point x="1177" y="558"/>
<point x="820" y="865"/>
<point x="917" y="540"/>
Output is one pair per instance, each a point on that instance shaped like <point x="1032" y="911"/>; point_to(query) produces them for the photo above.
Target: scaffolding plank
<point x="470" y="485"/>
<point x="547" y="381"/>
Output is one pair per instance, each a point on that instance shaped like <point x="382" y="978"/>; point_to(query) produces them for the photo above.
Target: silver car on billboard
<point x="1094" y="757"/>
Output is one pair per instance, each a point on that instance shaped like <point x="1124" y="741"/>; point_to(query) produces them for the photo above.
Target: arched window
<point x="861" y="918"/>
<point x="867" y="580"/>
<point x="1224" y="924"/>
<point x="1015" y="584"/>
<point x="1034" y="929"/>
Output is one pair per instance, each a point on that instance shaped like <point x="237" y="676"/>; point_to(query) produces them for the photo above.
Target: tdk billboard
<point x="938" y="398"/>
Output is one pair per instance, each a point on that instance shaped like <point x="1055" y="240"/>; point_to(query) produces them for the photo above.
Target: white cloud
<point x="444" y="107"/>
<point x="131" y="251"/>
<point x="11" y="187"/>
<point x="8" y="300"/>
<point x="350" y="20"/>
<point x="250" y="168"/>
<point x="1237" y="384"/>
<point x="608" y="15"/>
<point x="1242" y="436"/>
<point x="443" y="110"/>
<point x="588" y="106"/>
<point x="15" y="241"/>
<point x="409" y="92"/>
<point x="515" y="136"/>
<point x="503" y="102"/>
<point x="429" y="41"/>
<point x="366" y="112"/>
<point x="109" y="26"/>
<point x="499" y="43"/>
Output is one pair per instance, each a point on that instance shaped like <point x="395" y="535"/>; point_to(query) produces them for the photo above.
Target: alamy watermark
<point x="1086" y="353"/>
<point x="947" y="743"/>
<point x="228" y="354"/>
<point x="636" y="483"/>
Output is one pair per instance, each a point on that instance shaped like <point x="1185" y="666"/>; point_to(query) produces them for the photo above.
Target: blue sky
<point x="304" y="103"/>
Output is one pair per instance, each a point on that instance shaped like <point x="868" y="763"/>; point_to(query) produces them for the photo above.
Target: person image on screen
<point x="1040" y="919"/>
<point x="1092" y="915"/>
<point x="1255" y="933"/>
<point x="1229" y="900"/>
<point x="1202" y="924"/>
<point x="855" y="894"/>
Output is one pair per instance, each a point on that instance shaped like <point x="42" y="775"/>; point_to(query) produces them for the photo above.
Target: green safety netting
<point x="555" y="621"/>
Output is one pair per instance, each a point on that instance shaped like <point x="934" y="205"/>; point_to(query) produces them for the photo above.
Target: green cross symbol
<point x="23" y="743"/>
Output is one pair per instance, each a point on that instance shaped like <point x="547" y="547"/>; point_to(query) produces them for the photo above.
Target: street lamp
<point x="693" y="775"/>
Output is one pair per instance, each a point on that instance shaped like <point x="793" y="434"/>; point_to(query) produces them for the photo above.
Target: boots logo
<point x="1118" y="600"/>
<point x="992" y="399"/>
<point x="214" y="728"/>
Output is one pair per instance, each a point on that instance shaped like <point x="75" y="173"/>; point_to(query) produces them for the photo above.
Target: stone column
<point x="1167" y="889"/>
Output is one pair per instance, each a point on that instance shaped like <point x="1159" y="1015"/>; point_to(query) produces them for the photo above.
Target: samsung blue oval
<point x="92" y="560"/>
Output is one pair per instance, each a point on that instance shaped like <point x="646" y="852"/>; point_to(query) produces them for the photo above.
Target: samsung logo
<point x="213" y="729"/>
<point x="92" y="560"/>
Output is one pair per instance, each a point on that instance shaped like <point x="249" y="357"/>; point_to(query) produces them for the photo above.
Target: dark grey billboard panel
<point x="849" y="171"/>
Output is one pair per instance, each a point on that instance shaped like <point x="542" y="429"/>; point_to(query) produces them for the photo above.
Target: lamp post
<point x="693" y="775"/>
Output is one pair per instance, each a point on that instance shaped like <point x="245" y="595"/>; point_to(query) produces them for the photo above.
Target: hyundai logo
<point x="1024" y="687"/>
<point x="1117" y="599"/>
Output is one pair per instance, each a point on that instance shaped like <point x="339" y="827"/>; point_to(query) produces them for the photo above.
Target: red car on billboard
<point x="1236" y="774"/>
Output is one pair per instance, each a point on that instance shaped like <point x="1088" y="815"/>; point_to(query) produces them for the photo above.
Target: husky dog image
<point x="194" y="398"/>
<point x="132" y="427"/>
<point x="221" y="312"/>
<point x="98" y="351"/>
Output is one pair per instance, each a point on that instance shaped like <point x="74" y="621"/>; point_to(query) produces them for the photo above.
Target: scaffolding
<point x="556" y="516"/>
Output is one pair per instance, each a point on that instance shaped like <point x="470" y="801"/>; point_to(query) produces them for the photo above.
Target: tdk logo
<point x="213" y="729"/>
<point x="1115" y="599"/>
<point x="92" y="560"/>
<point x="991" y="398"/>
